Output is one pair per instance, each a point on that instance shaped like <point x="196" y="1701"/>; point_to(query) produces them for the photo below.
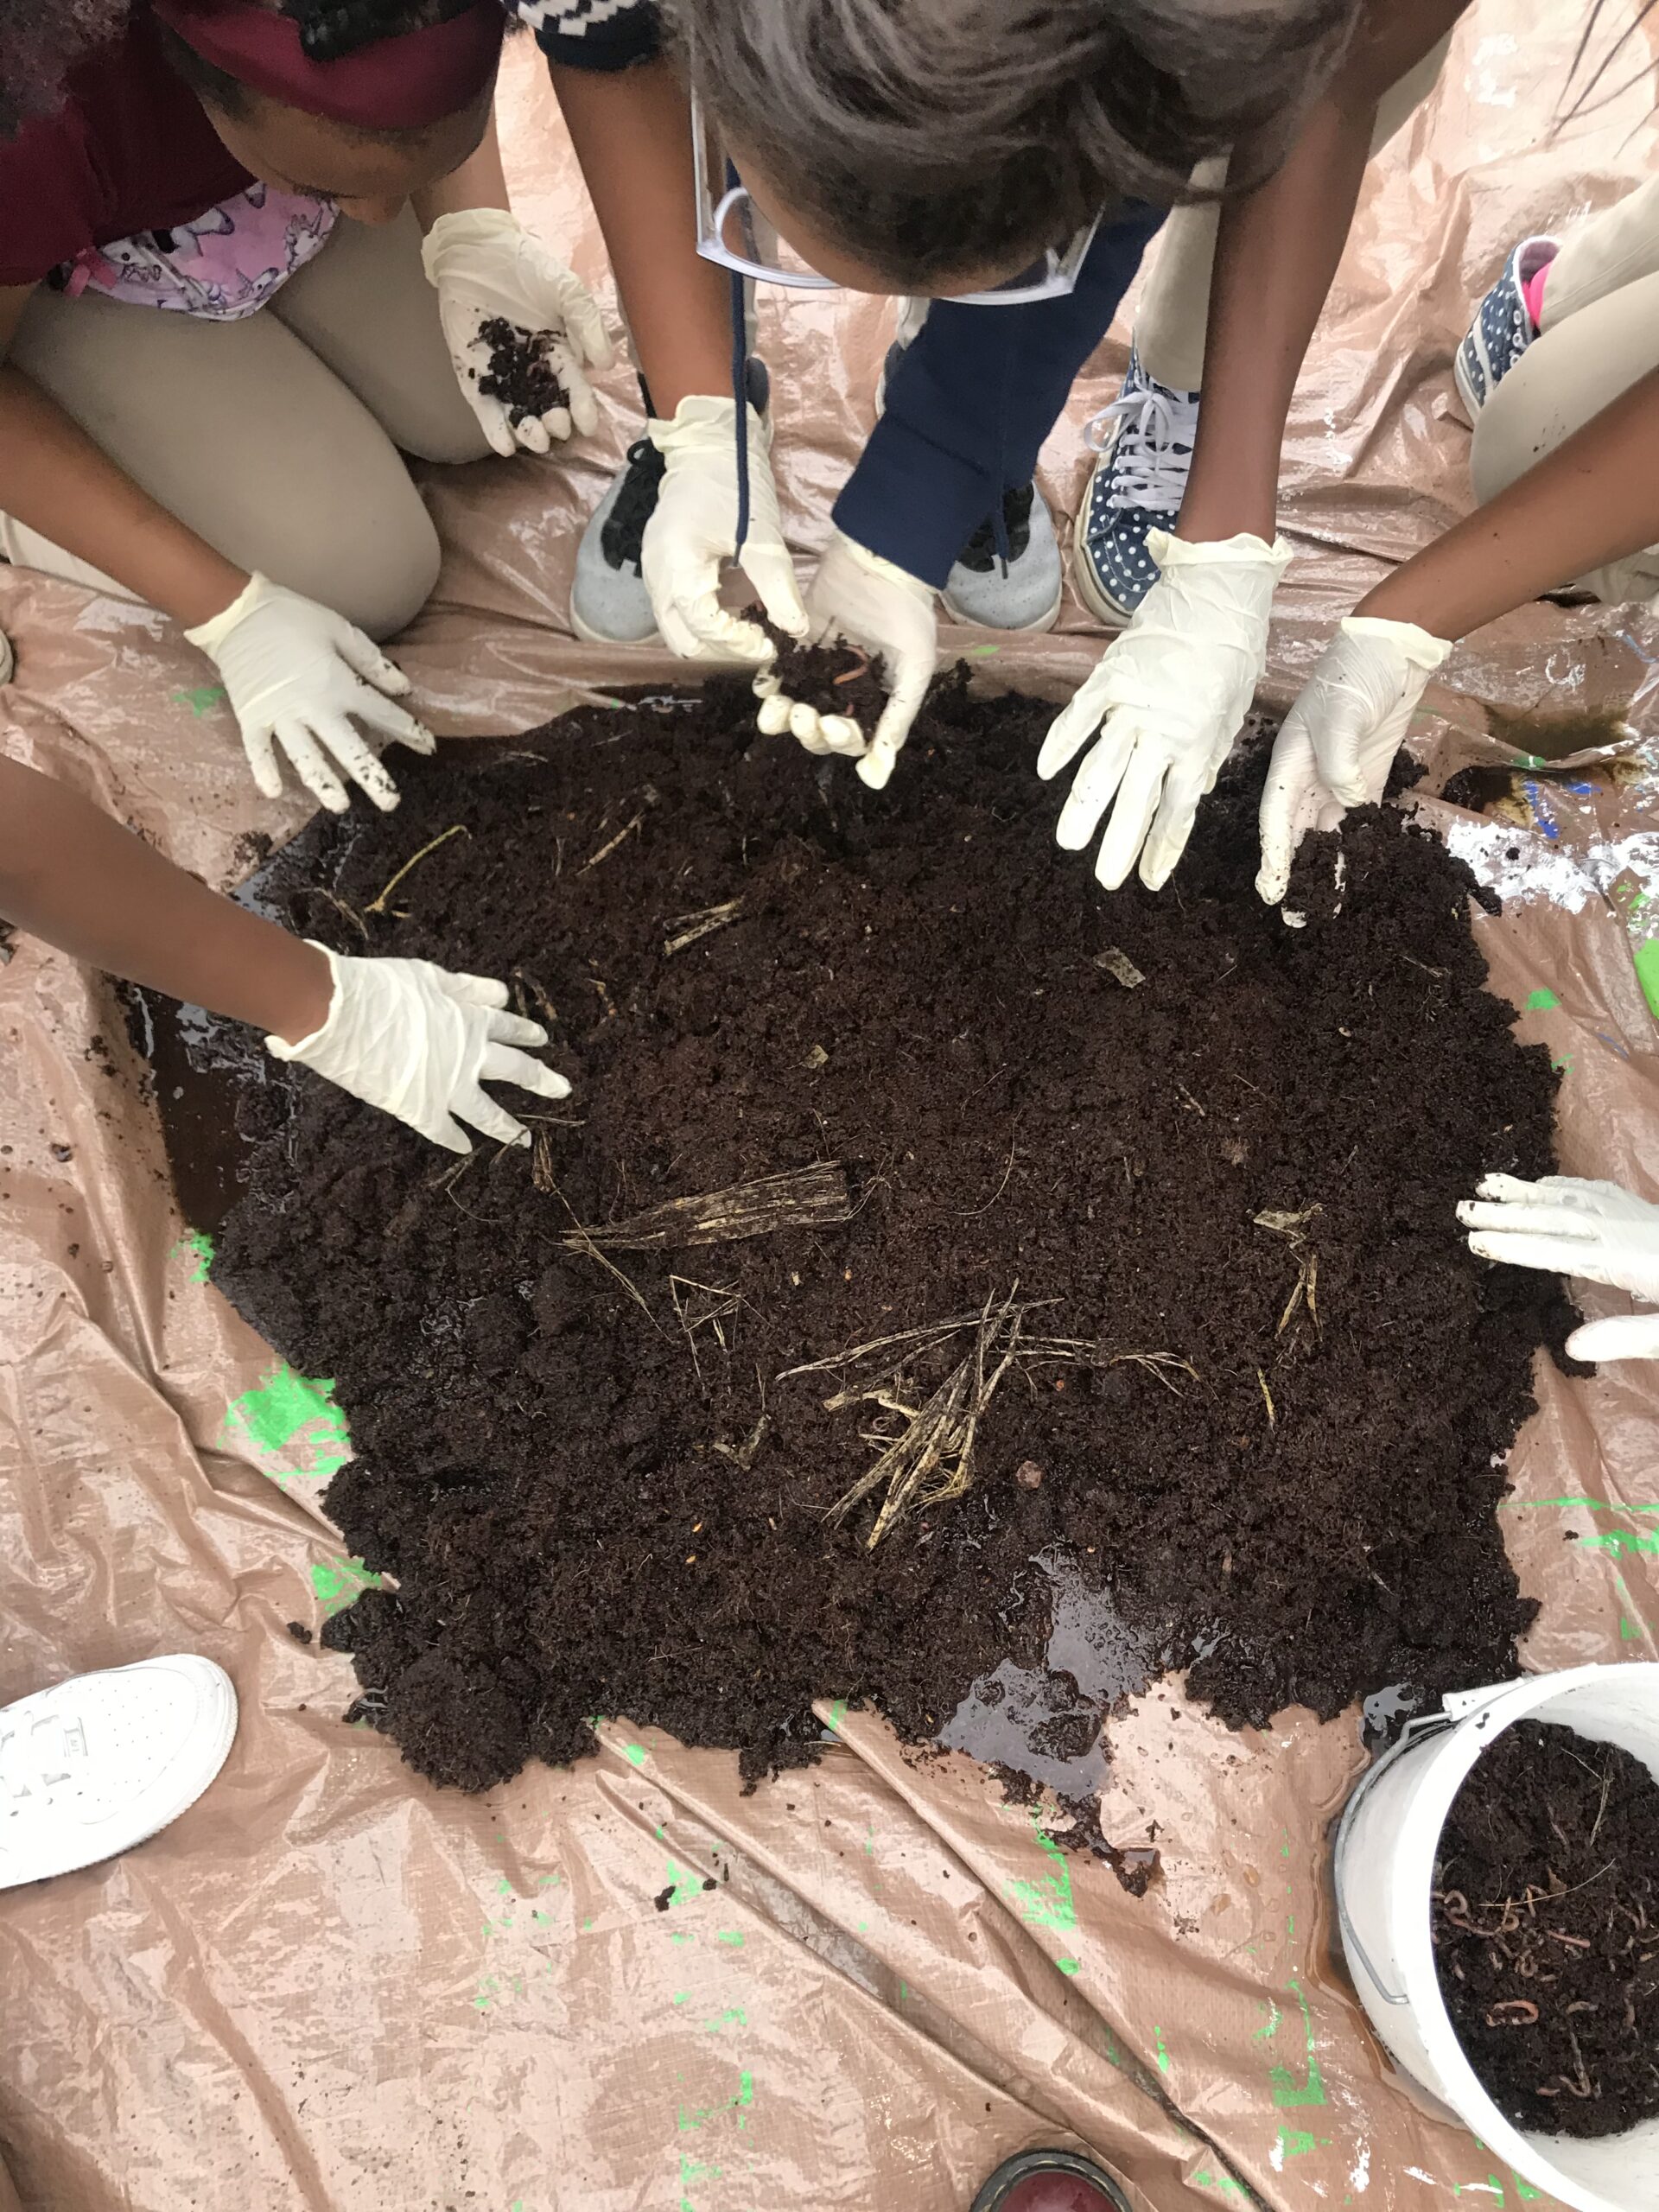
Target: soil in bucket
<point x="1546" y="1928"/>
<point x="920" y="1213"/>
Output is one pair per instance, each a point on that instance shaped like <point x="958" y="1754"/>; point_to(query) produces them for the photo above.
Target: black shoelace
<point x="980" y="552"/>
<point x="623" y="536"/>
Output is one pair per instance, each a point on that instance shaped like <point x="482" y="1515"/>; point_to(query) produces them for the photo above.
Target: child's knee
<point x="386" y="594"/>
<point x="447" y="432"/>
<point x="380" y="569"/>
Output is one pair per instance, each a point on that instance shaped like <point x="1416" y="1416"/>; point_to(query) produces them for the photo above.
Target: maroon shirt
<point x="131" y="149"/>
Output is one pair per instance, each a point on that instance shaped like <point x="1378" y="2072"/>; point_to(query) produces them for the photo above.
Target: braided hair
<point x="40" y="42"/>
<point x="332" y="28"/>
<point x="328" y="29"/>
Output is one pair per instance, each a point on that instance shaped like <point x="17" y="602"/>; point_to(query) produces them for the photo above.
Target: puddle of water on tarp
<point x="1044" y="1722"/>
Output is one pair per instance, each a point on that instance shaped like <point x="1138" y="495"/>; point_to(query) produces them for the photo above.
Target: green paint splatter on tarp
<point x="729" y="1935"/>
<point x="1046" y="1903"/>
<point x="689" y="2117"/>
<point x="336" y="1582"/>
<point x="1541" y="1002"/>
<point x="1287" y="2091"/>
<point x="1646" y="956"/>
<point x="684" y="1886"/>
<point x="1160" y="2050"/>
<point x="693" y="2170"/>
<point x="285" y="1414"/>
<point x="634" y="1754"/>
<point x="1296" y="2143"/>
<point x="1631" y="1629"/>
<point x="1622" y="1542"/>
<point x="1222" y="2183"/>
<point x="1069" y="1966"/>
<point x="201" y="1246"/>
<point x="1591" y="1504"/>
<point x="979" y="652"/>
<point x="202" y="700"/>
<point x="836" y="1714"/>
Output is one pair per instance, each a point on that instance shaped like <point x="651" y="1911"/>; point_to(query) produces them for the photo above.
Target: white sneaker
<point x="103" y="1761"/>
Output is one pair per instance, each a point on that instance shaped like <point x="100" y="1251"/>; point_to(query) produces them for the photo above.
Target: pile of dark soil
<point x="1178" y="1177"/>
<point x="1546" y="1928"/>
<point x="520" y="374"/>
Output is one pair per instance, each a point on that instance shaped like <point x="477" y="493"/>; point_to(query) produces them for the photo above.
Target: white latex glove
<point x="419" y="1042"/>
<point x="485" y="264"/>
<point x="1595" y="1230"/>
<point x="694" y="530"/>
<point x="1338" y="741"/>
<point x="297" y="675"/>
<point x="884" y="612"/>
<point x="1168" y="698"/>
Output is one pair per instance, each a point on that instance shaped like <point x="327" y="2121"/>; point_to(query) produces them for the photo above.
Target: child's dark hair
<point x="938" y="137"/>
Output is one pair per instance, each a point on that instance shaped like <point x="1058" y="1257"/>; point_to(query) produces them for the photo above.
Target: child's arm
<point x="481" y="181"/>
<point x="1593" y="500"/>
<point x="1276" y="254"/>
<point x="297" y="673"/>
<point x="70" y="875"/>
<point x="1170" y="694"/>
<point x="632" y="131"/>
<point x="406" y="1037"/>
<point x="54" y="478"/>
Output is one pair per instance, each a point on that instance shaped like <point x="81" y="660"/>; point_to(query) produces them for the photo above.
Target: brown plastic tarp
<point x="330" y="1986"/>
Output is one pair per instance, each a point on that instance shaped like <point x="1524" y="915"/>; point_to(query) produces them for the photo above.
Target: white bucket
<point x="1384" y="1867"/>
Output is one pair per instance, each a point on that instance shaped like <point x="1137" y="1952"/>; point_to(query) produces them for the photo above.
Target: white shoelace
<point x="1148" y="470"/>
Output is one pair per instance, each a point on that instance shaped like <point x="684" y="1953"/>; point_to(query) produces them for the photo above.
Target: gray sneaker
<point x="1023" y="594"/>
<point x="609" y="604"/>
<point x="981" y="590"/>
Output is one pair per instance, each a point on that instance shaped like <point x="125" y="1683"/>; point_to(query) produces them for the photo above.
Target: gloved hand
<point x="1168" y="698"/>
<point x="1338" y="741"/>
<point x="485" y="264"/>
<point x="1595" y="1230"/>
<point x="297" y="674"/>
<point x="695" y="529"/>
<point x="419" y="1043"/>
<point x="883" y="611"/>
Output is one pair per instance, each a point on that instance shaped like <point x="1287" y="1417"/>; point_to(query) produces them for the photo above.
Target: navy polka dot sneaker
<point x="1504" y="330"/>
<point x="1145" y="442"/>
